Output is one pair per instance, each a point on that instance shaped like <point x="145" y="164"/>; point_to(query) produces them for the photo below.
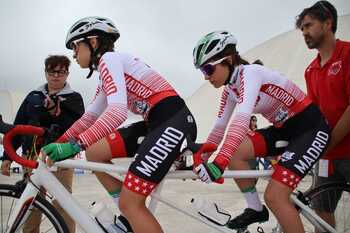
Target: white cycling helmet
<point x="211" y="45"/>
<point x="91" y="26"/>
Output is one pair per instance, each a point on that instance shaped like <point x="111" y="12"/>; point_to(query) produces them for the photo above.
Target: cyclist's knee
<point x="99" y="152"/>
<point x="276" y="193"/>
<point x="130" y="201"/>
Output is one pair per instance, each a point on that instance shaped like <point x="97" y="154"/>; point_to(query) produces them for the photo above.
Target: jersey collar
<point x="317" y="62"/>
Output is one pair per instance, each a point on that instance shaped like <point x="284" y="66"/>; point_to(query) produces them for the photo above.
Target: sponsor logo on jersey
<point x="286" y="156"/>
<point x="141" y="106"/>
<point x="279" y="94"/>
<point x="334" y="68"/>
<point x="281" y="115"/>
<point x="168" y="140"/>
<point x="137" y="88"/>
<point x="108" y="84"/>
<point x="312" y="153"/>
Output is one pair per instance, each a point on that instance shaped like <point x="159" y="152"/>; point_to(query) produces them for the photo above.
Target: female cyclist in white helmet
<point x="125" y="83"/>
<point x="252" y="89"/>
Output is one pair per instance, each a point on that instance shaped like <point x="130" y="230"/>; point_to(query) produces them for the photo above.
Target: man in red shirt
<point x="328" y="85"/>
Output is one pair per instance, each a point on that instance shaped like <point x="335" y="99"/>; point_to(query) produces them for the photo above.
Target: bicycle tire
<point x="342" y="212"/>
<point x="51" y="220"/>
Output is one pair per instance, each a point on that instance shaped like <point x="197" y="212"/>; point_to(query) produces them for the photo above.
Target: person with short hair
<point x="248" y="89"/>
<point x="328" y="86"/>
<point x="53" y="104"/>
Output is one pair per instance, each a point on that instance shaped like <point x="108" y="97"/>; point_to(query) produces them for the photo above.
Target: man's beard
<point x="313" y="42"/>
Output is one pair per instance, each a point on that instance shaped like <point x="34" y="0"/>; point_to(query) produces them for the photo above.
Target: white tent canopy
<point x="286" y="53"/>
<point x="9" y="102"/>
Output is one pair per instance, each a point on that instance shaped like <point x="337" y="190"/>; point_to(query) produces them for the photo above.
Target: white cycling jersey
<point x="125" y="83"/>
<point x="254" y="89"/>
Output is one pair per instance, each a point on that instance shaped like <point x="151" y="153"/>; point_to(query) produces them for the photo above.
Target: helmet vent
<point x="111" y="25"/>
<point x="211" y="46"/>
<point x="199" y="51"/>
<point x="78" y="26"/>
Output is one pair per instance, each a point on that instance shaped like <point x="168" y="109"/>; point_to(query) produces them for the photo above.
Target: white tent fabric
<point x="286" y="53"/>
<point x="9" y="104"/>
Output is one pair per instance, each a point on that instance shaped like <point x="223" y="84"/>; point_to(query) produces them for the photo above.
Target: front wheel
<point x="51" y="220"/>
<point x="331" y="198"/>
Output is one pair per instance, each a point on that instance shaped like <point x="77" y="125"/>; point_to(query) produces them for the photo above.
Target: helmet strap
<point x="232" y="76"/>
<point x="91" y="65"/>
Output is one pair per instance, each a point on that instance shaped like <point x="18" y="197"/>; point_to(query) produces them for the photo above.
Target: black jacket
<point x="33" y="112"/>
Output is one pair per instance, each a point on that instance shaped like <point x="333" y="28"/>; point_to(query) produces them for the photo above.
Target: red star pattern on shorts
<point x="285" y="176"/>
<point x="138" y="185"/>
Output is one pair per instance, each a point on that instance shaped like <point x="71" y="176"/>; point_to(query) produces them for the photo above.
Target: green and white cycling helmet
<point x="211" y="45"/>
<point x="91" y="26"/>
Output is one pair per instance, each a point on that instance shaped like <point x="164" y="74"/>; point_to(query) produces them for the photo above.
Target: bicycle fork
<point x="20" y="212"/>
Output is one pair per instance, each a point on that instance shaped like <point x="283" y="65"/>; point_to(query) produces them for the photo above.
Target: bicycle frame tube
<point x="101" y="167"/>
<point x="44" y="178"/>
<point x="155" y="196"/>
<point x="313" y="218"/>
<point x="20" y="212"/>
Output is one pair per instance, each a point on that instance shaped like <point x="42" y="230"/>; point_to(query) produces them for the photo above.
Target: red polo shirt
<point x="329" y="88"/>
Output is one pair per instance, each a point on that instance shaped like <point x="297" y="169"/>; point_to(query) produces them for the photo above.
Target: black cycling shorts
<point x="157" y="143"/>
<point x="300" y="141"/>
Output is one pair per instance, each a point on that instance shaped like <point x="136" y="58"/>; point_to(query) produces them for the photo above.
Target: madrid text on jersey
<point x="278" y="93"/>
<point x="313" y="153"/>
<point x="107" y="80"/>
<point x="169" y="139"/>
<point x="137" y="88"/>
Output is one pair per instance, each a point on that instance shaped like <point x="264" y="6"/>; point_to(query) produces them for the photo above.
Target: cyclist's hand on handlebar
<point x="5" y="167"/>
<point x="61" y="151"/>
<point x="209" y="172"/>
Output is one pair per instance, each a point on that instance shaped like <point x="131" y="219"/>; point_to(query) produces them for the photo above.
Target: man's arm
<point x="341" y="129"/>
<point x="72" y="109"/>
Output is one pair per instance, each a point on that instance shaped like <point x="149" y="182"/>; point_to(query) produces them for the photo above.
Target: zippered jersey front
<point x="254" y="89"/>
<point x="125" y="83"/>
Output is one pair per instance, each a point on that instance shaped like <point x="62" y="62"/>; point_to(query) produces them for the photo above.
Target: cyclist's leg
<point x="122" y="143"/>
<point x="261" y="143"/>
<point x="277" y="198"/>
<point x="301" y="154"/>
<point x="324" y="207"/>
<point x="154" y="158"/>
<point x="240" y="161"/>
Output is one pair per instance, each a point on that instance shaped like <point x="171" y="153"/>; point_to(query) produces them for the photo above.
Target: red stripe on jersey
<point x="216" y="135"/>
<point x="111" y="119"/>
<point x="223" y="102"/>
<point x="237" y="131"/>
<point x="241" y="87"/>
<point x="78" y="127"/>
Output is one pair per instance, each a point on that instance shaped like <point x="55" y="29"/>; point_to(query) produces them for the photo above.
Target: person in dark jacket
<point x="54" y="106"/>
